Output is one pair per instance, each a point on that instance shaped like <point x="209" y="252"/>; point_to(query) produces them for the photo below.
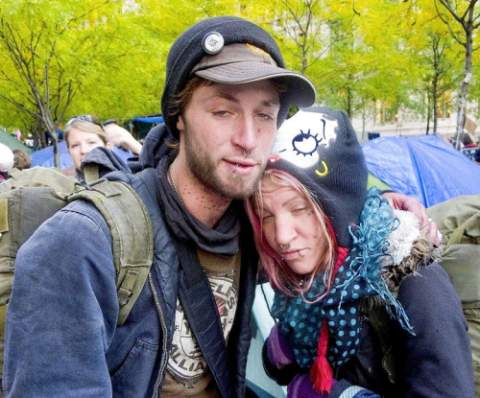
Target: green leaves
<point x="107" y="57"/>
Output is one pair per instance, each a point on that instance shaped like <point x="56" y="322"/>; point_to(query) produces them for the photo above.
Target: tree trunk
<point x="462" y="97"/>
<point x="428" y="112"/>
<point x="50" y="126"/>
<point x="349" y="102"/>
<point x="364" y="119"/>
<point x="304" y="59"/>
<point x="435" y="101"/>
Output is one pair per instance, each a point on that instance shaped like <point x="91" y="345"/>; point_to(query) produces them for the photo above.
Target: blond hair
<point x="86" y="127"/>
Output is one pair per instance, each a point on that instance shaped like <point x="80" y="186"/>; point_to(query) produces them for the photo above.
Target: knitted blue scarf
<point x="358" y="277"/>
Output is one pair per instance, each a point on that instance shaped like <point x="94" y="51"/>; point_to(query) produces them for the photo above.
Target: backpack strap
<point x="469" y="228"/>
<point x="90" y="173"/>
<point x="132" y="236"/>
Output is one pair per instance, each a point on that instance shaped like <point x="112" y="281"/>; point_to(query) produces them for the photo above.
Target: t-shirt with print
<point x="187" y="372"/>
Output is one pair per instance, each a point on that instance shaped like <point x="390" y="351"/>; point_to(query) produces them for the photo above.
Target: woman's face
<point x="80" y="143"/>
<point x="291" y="227"/>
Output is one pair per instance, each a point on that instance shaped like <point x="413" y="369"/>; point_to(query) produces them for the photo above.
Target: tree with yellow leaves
<point x="462" y="19"/>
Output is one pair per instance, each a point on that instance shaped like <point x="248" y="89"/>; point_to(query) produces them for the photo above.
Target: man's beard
<point x="204" y="169"/>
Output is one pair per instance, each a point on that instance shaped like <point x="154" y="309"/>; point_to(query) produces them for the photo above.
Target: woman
<point x="83" y="133"/>
<point x="361" y="305"/>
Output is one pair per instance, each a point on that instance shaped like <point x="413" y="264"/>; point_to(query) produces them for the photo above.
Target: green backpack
<point x="31" y="196"/>
<point x="458" y="220"/>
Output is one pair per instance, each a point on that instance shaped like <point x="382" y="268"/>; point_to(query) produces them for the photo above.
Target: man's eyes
<point x="221" y="113"/>
<point x="224" y="113"/>
<point x="265" y="116"/>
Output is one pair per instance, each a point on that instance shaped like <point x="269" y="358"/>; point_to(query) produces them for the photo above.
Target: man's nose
<point x="245" y="136"/>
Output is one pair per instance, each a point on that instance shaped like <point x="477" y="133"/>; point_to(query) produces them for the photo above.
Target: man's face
<point x="226" y="135"/>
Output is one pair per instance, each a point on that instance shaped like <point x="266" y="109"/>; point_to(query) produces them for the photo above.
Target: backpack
<point x="31" y="196"/>
<point x="458" y="220"/>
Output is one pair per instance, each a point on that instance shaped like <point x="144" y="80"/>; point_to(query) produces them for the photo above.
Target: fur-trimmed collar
<point x="408" y="250"/>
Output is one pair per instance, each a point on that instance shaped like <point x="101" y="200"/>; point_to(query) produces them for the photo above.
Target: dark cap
<point x="319" y="147"/>
<point x="230" y="50"/>
<point x="245" y="63"/>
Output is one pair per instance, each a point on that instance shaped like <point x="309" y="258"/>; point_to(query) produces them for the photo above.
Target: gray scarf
<point x="223" y="239"/>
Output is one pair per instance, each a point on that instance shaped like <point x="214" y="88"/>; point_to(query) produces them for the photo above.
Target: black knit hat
<point x="319" y="147"/>
<point x="206" y="40"/>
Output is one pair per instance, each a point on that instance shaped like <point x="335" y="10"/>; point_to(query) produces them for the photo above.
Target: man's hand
<point x="409" y="203"/>
<point x="121" y="137"/>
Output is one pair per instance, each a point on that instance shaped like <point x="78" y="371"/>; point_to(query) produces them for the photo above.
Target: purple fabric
<point x="301" y="387"/>
<point x="278" y="350"/>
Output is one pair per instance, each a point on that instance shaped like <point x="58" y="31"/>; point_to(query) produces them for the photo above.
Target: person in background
<point x="6" y="161"/>
<point x="362" y="308"/>
<point x="18" y="134"/>
<point x="83" y="133"/>
<point x="21" y="160"/>
<point x="120" y="137"/>
<point x="29" y="141"/>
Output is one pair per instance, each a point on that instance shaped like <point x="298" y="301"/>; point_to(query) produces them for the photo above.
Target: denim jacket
<point x="62" y="338"/>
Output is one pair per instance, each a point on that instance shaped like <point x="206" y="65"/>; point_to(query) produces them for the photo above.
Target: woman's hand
<point x="278" y="351"/>
<point x="302" y="387"/>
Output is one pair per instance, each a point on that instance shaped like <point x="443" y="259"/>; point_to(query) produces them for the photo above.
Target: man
<point x="188" y="334"/>
<point x="226" y="92"/>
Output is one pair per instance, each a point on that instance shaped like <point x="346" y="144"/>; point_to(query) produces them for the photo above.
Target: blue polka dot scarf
<point x="358" y="277"/>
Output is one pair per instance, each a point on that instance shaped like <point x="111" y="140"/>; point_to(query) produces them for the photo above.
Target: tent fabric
<point x="10" y="141"/>
<point x="148" y="119"/>
<point x="423" y="166"/>
<point x="44" y="157"/>
<point x="143" y="124"/>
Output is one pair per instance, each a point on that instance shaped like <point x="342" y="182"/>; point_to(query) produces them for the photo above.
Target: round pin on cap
<point x="213" y="43"/>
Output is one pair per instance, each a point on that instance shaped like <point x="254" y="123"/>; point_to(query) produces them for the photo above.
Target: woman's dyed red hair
<point x="278" y="272"/>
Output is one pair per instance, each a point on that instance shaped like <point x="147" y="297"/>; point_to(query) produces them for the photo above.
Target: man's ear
<point x="180" y="123"/>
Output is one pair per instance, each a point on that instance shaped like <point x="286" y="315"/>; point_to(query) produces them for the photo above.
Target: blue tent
<point x="44" y="157"/>
<point x="148" y="119"/>
<point x="141" y="125"/>
<point x="422" y="166"/>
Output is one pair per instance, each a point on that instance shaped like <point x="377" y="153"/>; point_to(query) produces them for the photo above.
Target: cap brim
<point x="300" y="90"/>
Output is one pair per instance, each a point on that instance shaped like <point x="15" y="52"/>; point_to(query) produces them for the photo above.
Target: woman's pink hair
<point x="279" y="274"/>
